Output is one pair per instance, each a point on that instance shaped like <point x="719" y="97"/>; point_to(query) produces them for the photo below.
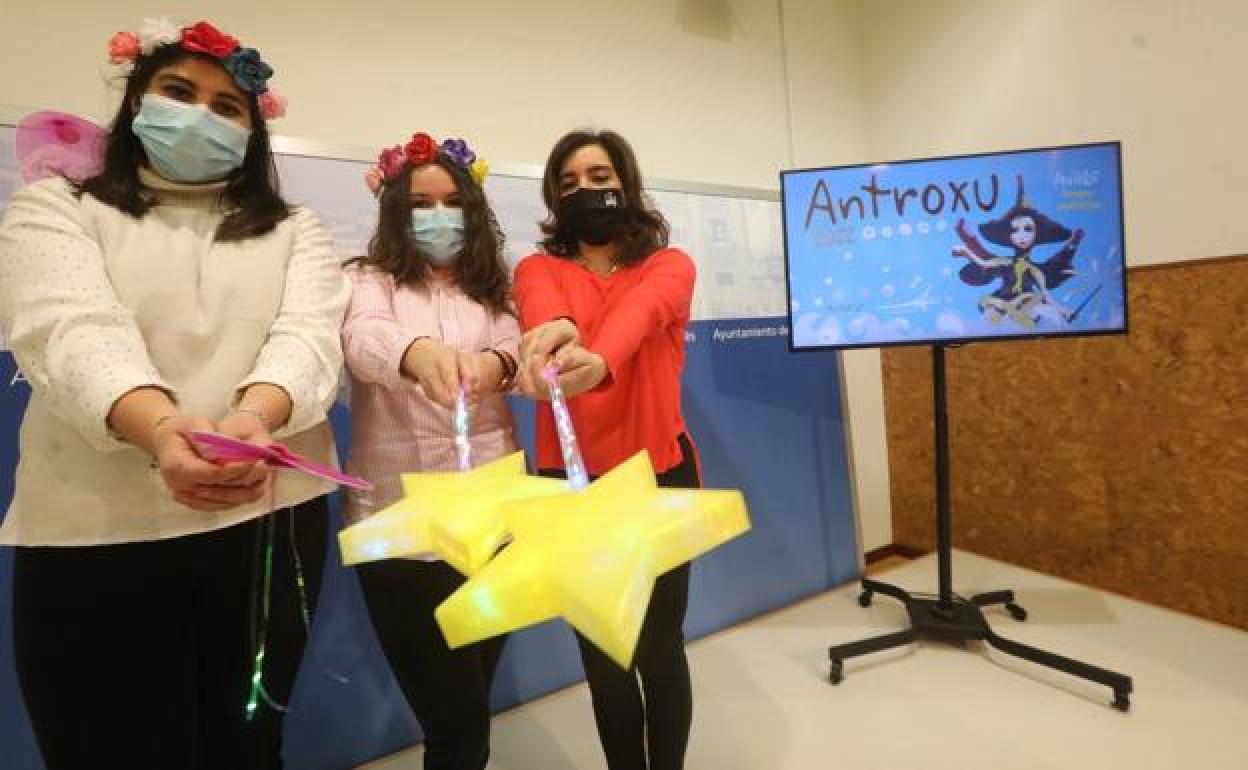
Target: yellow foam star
<point x="454" y="515"/>
<point x="592" y="557"/>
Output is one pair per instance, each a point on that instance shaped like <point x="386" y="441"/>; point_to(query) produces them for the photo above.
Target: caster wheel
<point x="1122" y="702"/>
<point x="836" y="672"/>
<point x="864" y="598"/>
<point x="1016" y="612"/>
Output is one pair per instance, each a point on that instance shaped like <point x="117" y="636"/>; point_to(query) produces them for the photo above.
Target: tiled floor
<point x="762" y="698"/>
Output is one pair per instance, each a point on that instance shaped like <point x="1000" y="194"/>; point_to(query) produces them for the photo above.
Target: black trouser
<point x="629" y="726"/>
<point x="140" y="655"/>
<point x="448" y="690"/>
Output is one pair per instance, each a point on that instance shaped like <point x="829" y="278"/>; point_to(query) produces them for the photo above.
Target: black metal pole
<point x="944" y="524"/>
<point x="949" y="618"/>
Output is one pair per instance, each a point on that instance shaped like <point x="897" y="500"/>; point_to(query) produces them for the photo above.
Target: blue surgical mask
<point x="438" y="233"/>
<point x="186" y="143"/>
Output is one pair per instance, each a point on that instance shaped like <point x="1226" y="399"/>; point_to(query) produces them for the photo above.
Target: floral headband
<point x="420" y="150"/>
<point x="249" y="71"/>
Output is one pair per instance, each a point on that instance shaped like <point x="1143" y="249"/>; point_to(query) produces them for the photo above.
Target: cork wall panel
<point x="1118" y="462"/>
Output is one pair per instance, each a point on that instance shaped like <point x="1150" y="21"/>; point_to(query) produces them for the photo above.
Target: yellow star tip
<point x="455" y="516"/>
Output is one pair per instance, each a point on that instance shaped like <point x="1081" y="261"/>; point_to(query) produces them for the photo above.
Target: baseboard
<point x="893" y="549"/>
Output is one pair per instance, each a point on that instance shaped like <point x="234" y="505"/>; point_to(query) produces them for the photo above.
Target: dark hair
<point x="1047" y="231"/>
<point x="252" y="189"/>
<point x="646" y="230"/>
<point x="479" y="272"/>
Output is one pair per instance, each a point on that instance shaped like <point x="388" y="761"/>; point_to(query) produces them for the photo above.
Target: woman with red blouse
<point x="608" y="301"/>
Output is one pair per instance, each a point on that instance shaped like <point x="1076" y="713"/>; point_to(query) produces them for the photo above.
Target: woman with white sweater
<point x="161" y="600"/>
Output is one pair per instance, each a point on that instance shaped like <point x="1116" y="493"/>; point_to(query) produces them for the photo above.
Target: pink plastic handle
<point x="223" y="449"/>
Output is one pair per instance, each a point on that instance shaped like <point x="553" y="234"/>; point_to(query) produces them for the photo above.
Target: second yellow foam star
<point x="592" y="557"/>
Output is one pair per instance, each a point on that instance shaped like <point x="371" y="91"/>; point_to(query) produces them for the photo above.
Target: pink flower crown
<point x="249" y="71"/>
<point x="420" y="150"/>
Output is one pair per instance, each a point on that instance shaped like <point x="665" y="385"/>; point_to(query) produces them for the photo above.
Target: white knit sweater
<point x="95" y="303"/>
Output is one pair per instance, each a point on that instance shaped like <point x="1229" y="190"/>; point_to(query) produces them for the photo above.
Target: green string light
<point x="258" y="692"/>
<point x="257" y="669"/>
<point x="257" y="673"/>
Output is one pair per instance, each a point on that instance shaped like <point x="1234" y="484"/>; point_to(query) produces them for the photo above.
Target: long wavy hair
<point x="479" y="271"/>
<point x="252" y="190"/>
<point x="645" y="230"/>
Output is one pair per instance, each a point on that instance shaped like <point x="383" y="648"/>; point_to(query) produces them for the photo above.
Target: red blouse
<point x="635" y="318"/>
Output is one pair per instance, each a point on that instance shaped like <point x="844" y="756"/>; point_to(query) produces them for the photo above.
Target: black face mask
<point x="591" y="216"/>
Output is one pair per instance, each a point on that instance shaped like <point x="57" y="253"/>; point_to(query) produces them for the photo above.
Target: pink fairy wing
<point x="53" y="143"/>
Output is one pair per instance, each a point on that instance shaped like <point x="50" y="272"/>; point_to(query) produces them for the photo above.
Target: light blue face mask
<point x="438" y="233"/>
<point x="187" y="143"/>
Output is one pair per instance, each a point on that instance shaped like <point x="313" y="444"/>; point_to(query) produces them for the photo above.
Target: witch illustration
<point x="1026" y="284"/>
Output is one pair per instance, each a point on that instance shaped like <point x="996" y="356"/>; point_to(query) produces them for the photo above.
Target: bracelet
<point x="254" y="411"/>
<point x="159" y="422"/>
<point x="509" y="363"/>
<point x="510" y="367"/>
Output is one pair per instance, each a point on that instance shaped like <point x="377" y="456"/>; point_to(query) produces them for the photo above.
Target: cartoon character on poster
<point x="1024" y="292"/>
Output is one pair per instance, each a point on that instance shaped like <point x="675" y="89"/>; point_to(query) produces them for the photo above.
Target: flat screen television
<point x="1001" y="245"/>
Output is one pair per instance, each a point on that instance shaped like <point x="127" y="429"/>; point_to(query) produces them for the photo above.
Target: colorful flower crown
<point x="249" y="71"/>
<point x="421" y="149"/>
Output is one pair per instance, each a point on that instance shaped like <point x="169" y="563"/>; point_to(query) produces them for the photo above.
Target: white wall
<point x="694" y="84"/>
<point x="699" y="85"/>
<point x="828" y="104"/>
<point x="1167" y="78"/>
